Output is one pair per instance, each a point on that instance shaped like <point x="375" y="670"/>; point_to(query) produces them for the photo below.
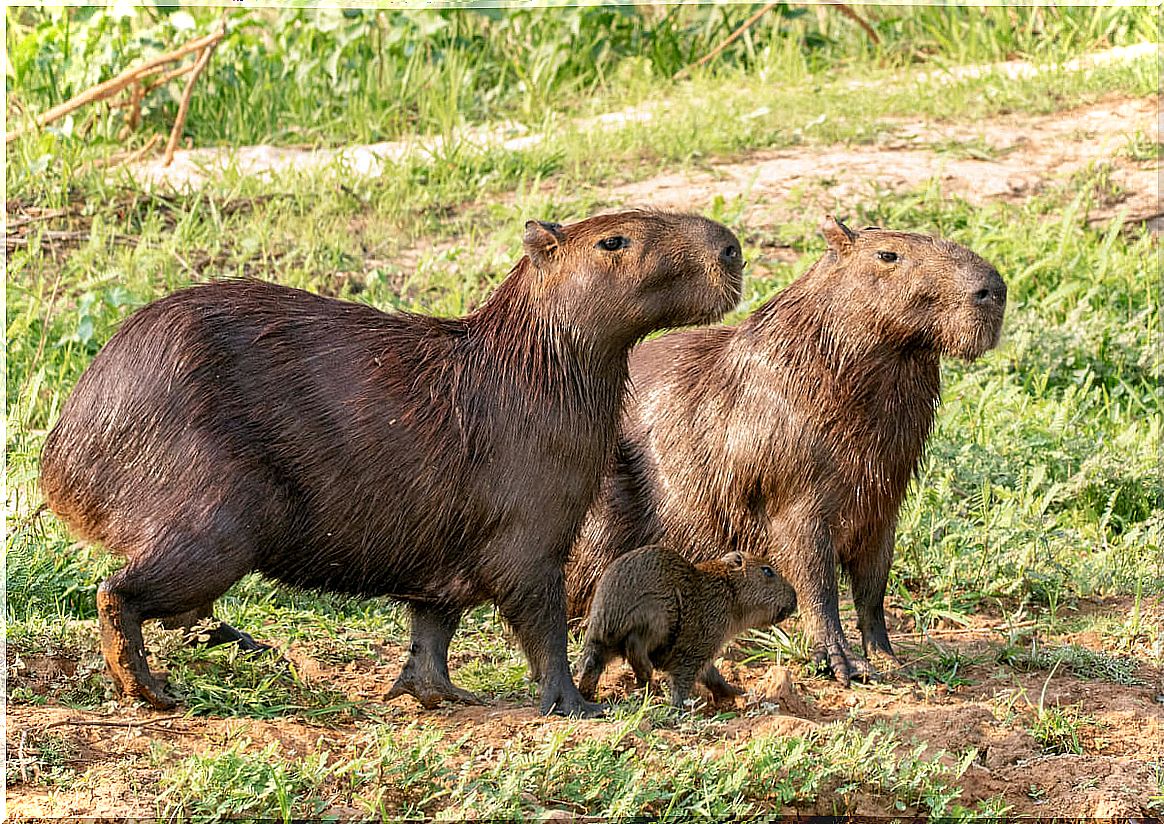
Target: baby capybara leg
<point x="426" y="673"/>
<point x="639" y="658"/>
<point x="681" y="681"/>
<point x="717" y="685"/>
<point x="536" y="609"/>
<point x="595" y="657"/>
<point x="123" y="647"/>
<point x="221" y="633"/>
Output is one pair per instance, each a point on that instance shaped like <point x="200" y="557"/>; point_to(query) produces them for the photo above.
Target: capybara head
<point x="634" y="272"/>
<point x="761" y="595"/>
<point x="916" y="290"/>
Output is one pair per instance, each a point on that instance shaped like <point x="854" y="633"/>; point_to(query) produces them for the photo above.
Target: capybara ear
<point x="839" y="236"/>
<point x="541" y="240"/>
<point x="733" y="560"/>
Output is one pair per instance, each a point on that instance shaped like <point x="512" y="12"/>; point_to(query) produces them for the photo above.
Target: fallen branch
<point x="115" y="84"/>
<point x="131" y="725"/>
<point x="184" y="105"/>
<point x="731" y="38"/>
<point x="860" y="21"/>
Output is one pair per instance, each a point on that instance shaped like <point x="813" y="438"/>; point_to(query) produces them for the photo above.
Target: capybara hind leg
<point x="537" y="612"/>
<point x="717" y="685"/>
<point x="426" y="673"/>
<point x="219" y="633"/>
<point x="639" y="657"/>
<point x="124" y="649"/>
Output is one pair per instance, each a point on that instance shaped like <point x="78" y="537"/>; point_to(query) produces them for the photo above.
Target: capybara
<point x="659" y="611"/>
<point x="445" y="462"/>
<point x="795" y="434"/>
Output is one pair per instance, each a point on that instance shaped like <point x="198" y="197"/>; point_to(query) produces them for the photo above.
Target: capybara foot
<point x="430" y="691"/>
<point x="844" y="664"/>
<point x="724" y="692"/>
<point x="564" y="699"/>
<point x="223" y="634"/>
<point x="152" y="692"/>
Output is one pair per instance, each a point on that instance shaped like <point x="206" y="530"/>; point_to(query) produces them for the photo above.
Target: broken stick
<point x="116" y="84"/>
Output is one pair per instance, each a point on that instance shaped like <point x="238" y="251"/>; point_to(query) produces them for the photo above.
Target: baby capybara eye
<point x="888" y="257"/>
<point x="768" y="572"/>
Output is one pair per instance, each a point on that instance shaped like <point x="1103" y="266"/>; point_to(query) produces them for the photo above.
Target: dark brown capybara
<point x="795" y="434"/>
<point x="658" y="610"/>
<point x="445" y="462"/>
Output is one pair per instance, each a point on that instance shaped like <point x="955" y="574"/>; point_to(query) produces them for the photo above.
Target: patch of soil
<point x="1011" y="158"/>
<point x="119" y="751"/>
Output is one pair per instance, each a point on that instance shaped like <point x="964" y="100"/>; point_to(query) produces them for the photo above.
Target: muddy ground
<point x="989" y="707"/>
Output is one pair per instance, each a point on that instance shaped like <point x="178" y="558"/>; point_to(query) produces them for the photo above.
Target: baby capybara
<point x="794" y="435"/>
<point x="659" y="611"/>
<point x="240" y="425"/>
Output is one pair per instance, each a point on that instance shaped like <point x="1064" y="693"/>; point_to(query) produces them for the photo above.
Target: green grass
<point x="627" y="769"/>
<point x="352" y="75"/>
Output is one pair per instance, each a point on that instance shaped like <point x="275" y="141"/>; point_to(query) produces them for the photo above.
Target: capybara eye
<point x="613" y="244"/>
<point x="888" y="257"/>
<point x="768" y="573"/>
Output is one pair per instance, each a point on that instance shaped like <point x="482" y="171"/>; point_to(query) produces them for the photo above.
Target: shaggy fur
<point x="240" y="426"/>
<point x="658" y="610"/>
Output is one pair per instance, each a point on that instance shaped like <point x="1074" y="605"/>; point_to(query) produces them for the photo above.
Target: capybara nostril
<point x="983" y="295"/>
<point x="731" y="256"/>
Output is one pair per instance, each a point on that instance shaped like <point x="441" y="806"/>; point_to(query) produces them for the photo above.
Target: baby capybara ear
<point x="541" y="240"/>
<point x="733" y="560"/>
<point x="839" y="236"/>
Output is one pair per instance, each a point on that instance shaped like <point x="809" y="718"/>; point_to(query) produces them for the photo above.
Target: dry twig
<point x="184" y="106"/>
<point x="731" y="38"/>
<point x="115" y="84"/>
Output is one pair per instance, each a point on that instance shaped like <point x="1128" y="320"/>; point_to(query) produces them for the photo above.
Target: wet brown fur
<point x="241" y="425"/>
<point x="795" y="435"/>
<point x="659" y="611"/>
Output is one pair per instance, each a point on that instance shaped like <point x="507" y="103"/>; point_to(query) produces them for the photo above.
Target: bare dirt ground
<point x="1122" y="739"/>
<point x="1012" y="158"/>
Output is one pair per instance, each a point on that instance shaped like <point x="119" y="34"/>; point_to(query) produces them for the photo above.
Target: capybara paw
<point x="571" y="704"/>
<point x="153" y="693"/>
<point x="835" y="658"/>
<point x="430" y="693"/>
<point x="725" y="692"/>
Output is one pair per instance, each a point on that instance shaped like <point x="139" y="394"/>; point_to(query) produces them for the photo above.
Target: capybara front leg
<point x="536" y="610"/>
<point x="590" y="666"/>
<point x="124" y="649"/>
<point x="220" y="632"/>
<point x="721" y="690"/>
<point x="426" y="673"/>
<point x="811" y="568"/>
<point x="869" y="572"/>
